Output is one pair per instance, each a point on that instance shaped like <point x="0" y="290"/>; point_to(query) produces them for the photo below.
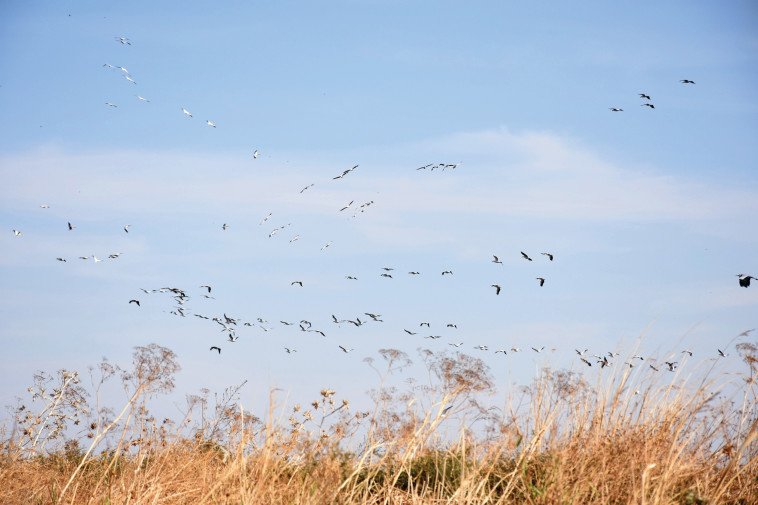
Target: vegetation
<point x="628" y="438"/>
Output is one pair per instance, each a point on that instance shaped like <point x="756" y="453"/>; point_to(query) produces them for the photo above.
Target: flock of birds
<point x="230" y="326"/>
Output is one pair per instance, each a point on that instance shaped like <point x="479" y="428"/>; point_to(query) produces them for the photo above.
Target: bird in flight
<point x="497" y="288"/>
<point x="345" y="350"/>
<point x="17" y="233"/>
<point x="135" y="301"/>
<point x="549" y="255"/>
<point x="207" y="287"/>
<point x="447" y="272"/>
<point x="210" y="124"/>
<point x="255" y="154"/>
<point x="186" y="112"/>
<point x="495" y="260"/>
<point x="614" y="109"/>
<point x="326" y="245"/>
<point x="142" y="98"/>
<point x="70" y="226"/>
<point x="343" y="174"/>
<point x="722" y="353"/>
<point x="290" y="351"/>
<point x="525" y="256"/>
<point x="648" y="105"/>
<point x="61" y="259"/>
<point x="297" y="282"/>
<point x="744" y="280"/>
<point x="347" y="206"/>
<point x="123" y="40"/>
<point x="216" y="348"/>
<point x="126" y="228"/>
<point x="588" y="363"/>
<point x="542" y="281"/>
<point x="308" y="186"/>
<point x="687" y="81"/>
<point x="44" y="206"/>
<point x="409" y="332"/>
<point x="386" y="275"/>
<point x="414" y="273"/>
<point x="130" y="79"/>
<point x="501" y="350"/>
<point x="224" y="226"/>
<point x="111" y="104"/>
<point x="538" y="350"/>
<point x="265" y="219"/>
<point x="643" y="95"/>
<point x="456" y="345"/>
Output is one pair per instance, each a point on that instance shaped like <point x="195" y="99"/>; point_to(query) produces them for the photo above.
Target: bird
<point x="255" y="154"/>
<point x="549" y="255"/>
<point x="290" y="351"/>
<point x="654" y="368"/>
<point x="451" y="325"/>
<point x="515" y="349"/>
<point x="209" y="123"/>
<point x="61" y="259"/>
<point x="326" y="245"/>
<point x="265" y="219"/>
<point x="501" y="350"/>
<point x="648" y="105"/>
<point x="586" y="361"/>
<point x="643" y="95"/>
<point x="345" y="350"/>
<point x="351" y="277"/>
<point x="481" y="347"/>
<point x="111" y="104"/>
<point x="434" y="337"/>
<point x="142" y="98"/>
<point x="343" y="174"/>
<point x="207" y="287"/>
<point x="186" y="112"/>
<point x="135" y="301"/>
<point x="525" y="256"/>
<point x="70" y="226"/>
<point x="387" y="269"/>
<point x="497" y="288"/>
<point x="130" y="79"/>
<point x="425" y="323"/>
<point x="95" y="258"/>
<point x="17" y="233"/>
<point x="447" y="272"/>
<point x="385" y="275"/>
<point x="409" y="332"/>
<point x="456" y="345"/>
<point x="224" y="226"/>
<point x="614" y="109"/>
<point x="123" y="40"/>
<point x="233" y="337"/>
<point x="687" y="81"/>
<point x="580" y="353"/>
<point x="347" y="206"/>
<point x="687" y="352"/>
<point x="538" y="350"/>
<point x="308" y="186"/>
<point x="295" y="238"/>
<point x="44" y="206"/>
<point x="126" y="228"/>
<point x="114" y="255"/>
<point x="744" y="280"/>
<point x="216" y="348"/>
<point x="671" y="365"/>
<point x="722" y="353"/>
<point x="297" y="282"/>
<point x="495" y="260"/>
<point x="542" y="281"/>
<point x="414" y="273"/>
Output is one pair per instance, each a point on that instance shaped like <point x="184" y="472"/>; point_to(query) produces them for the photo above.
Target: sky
<point x="649" y="212"/>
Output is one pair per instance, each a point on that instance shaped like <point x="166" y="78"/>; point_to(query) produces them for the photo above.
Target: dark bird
<point x="387" y="269"/>
<point x="409" y="332"/>
<point x="722" y="353"/>
<point x="126" y="228"/>
<point x="538" y="350"/>
<point x="648" y="105"/>
<point x="447" y="272"/>
<point x="745" y="280"/>
<point x="351" y="277"/>
<point x="414" y="273"/>
<point x="290" y="351"/>
<point x="224" y="226"/>
<point x="297" y="282"/>
<point x="542" y="281"/>
<point x="588" y="363"/>
<point x="524" y="255"/>
<point x="216" y="348"/>
<point x="496" y="260"/>
<point x="206" y="286"/>
<point x="70" y="226"/>
<point x="497" y="288"/>
<point x="651" y="366"/>
<point x="643" y="95"/>
<point x="614" y="109"/>
<point x="549" y="256"/>
<point x="135" y="301"/>
<point x="687" y="352"/>
<point x="343" y="349"/>
<point x="425" y="323"/>
<point x="61" y="259"/>
<point x="687" y="81"/>
<point x="386" y="275"/>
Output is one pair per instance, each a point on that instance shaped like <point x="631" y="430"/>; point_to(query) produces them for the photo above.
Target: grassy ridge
<point x="634" y="436"/>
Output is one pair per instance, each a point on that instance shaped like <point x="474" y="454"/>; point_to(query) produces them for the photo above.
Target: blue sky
<point x="650" y="213"/>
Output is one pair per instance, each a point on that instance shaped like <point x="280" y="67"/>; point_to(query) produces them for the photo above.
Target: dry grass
<point x="633" y="436"/>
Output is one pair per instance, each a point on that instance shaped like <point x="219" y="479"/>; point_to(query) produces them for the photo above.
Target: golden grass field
<point x="632" y="436"/>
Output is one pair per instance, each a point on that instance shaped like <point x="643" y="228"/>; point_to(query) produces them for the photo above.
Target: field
<point x="631" y="436"/>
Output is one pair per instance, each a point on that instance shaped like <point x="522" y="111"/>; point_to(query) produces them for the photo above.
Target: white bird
<point x="123" y="40"/>
<point x="265" y="219"/>
<point x="255" y="154"/>
<point x="516" y="349"/>
<point x="130" y="79"/>
<point x="326" y="245"/>
<point x="481" y="347"/>
<point x="61" y="259"/>
<point x="17" y="233"/>
<point x="722" y="353"/>
<point x="45" y="206"/>
<point x="126" y="228"/>
<point x="210" y="124"/>
<point x="110" y="104"/>
<point x="186" y="112"/>
<point x="95" y="258"/>
<point x="290" y="351"/>
<point x="456" y="345"/>
<point x="294" y="238"/>
<point x="347" y="206"/>
<point x="143" y="98"/>
<point x="345" y="350"/>
<point x="538" y="350"/>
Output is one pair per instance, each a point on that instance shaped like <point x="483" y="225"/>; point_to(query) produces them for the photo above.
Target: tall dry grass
<point x="628" y="435"/>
